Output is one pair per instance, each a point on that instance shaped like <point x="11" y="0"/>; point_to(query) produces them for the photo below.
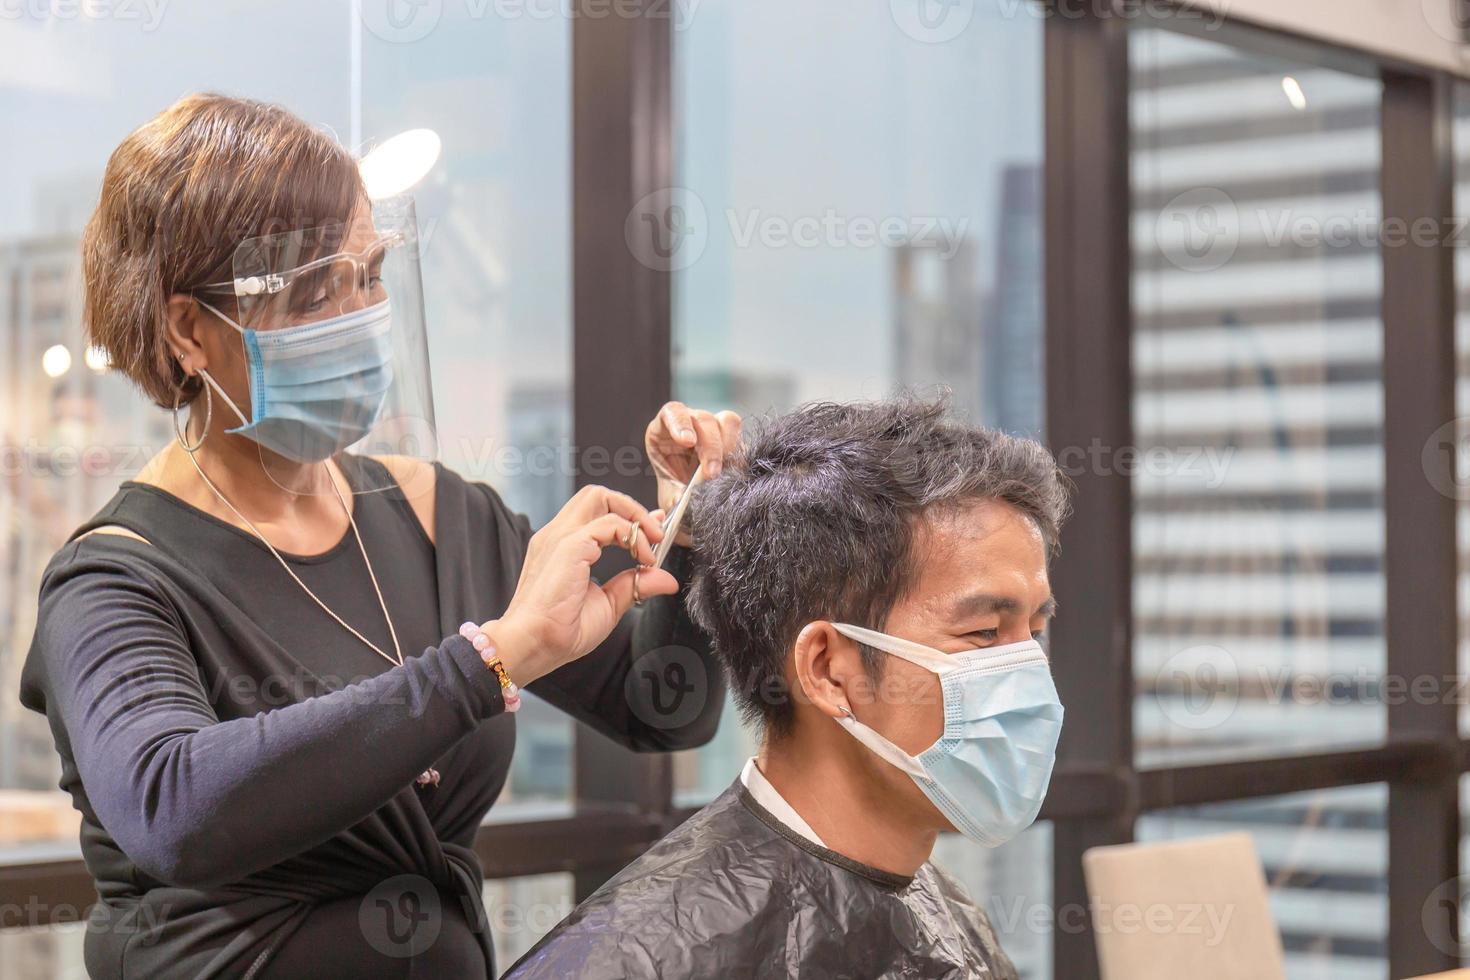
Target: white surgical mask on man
<point x="989" y="770"/>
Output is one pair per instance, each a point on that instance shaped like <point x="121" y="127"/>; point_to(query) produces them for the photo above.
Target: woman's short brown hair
<point x="179" y="194"/>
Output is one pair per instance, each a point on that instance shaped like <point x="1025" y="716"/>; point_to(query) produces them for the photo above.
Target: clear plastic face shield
<point x="328" y="347"/>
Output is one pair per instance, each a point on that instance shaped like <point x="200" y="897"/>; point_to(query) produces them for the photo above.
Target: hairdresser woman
<point x="282" y="677"/>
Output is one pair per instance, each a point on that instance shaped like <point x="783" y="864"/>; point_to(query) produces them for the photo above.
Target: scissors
<point x="675" y="518"/>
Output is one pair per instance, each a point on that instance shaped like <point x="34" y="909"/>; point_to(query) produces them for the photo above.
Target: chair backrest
<point x="1195" y="909"/>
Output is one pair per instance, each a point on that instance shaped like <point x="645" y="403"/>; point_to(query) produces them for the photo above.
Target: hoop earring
<point x="208" y="418"/>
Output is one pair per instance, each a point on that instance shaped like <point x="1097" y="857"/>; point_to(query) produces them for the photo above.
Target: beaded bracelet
<point x="481" y="643"/>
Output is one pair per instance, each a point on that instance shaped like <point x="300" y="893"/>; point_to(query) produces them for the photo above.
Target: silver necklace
<point x="430" y="776"/>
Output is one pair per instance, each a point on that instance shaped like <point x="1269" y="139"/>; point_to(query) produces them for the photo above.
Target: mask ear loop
<point x="915" y="653"/>
<point x="212" y="384"/>
<point x="208" y="418"/>
<point x="880" y="746"/>
<point x="209" y="383"/>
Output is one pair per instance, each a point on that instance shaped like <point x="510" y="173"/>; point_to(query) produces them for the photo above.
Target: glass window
<point x="494" y="220"/>
<point x="1325" y="856"/>
<point x="1012" y="883"/>
<point x="858" y="208"/>
<point x="43" y="952"/>
<point x="522" y="910"/>
<point x="1258" y="475"/>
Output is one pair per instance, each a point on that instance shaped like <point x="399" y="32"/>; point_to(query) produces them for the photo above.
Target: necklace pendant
<point x="429" y="777"/>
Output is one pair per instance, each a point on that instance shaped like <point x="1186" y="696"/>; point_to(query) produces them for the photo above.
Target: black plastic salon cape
<point x="734" y="893"/>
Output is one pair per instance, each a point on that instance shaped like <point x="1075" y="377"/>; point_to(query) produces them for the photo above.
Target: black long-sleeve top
<point x="245" y="767"/>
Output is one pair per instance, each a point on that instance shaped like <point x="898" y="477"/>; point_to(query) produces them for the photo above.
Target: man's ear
<point x="184" y="319"/>
<point x="829" y="670"/>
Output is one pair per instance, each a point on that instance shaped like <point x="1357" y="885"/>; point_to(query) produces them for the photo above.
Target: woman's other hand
<point x="679" y="439"/>
<point x="559" y="613"/>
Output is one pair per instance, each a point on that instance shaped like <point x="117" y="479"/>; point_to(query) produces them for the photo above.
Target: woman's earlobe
<point x="180" y="333"/>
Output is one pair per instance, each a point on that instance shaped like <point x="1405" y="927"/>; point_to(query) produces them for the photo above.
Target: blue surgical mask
<point x="317" y="388"/>
<point x="989" y="770"/>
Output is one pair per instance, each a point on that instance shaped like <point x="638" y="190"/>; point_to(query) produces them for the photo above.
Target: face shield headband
<point x="332" y="354"/>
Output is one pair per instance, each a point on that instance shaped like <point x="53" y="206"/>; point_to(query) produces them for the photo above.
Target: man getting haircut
<point x="875" y="579"/>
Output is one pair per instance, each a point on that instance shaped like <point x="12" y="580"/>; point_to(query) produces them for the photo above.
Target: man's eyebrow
<point x="979" y="603"/>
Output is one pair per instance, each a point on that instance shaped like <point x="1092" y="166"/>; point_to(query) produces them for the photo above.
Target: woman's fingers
<point x="711" y="445"/>
<point x="671" y="441"/>
<point x="681" y="438"/>
<point x="678" y="423"/>
<point x="574" y="510"/>
<point x="651" y="582"/>
<point x="730" y="424"/>
<point x="612" y="530"/>
<point x="624" y="506"/>
<point x="593" y="502"/>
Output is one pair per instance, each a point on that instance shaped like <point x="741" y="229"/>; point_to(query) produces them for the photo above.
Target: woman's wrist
<point x="510" y="691"/>
<point x="519" y="653"/>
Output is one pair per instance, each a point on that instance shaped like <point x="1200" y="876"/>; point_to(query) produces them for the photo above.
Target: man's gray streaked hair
<point x="817" y="517"/>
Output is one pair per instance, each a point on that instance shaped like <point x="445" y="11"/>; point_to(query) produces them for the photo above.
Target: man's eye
<point x="987" y="636"/>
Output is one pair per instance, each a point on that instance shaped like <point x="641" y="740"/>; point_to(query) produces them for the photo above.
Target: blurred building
<point x="938" y="334"/>
<point x="38" y="416"/>
<point x="985" y="348"/>
<point x="1013" y="340"/>
<point x="56" y="466"/>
